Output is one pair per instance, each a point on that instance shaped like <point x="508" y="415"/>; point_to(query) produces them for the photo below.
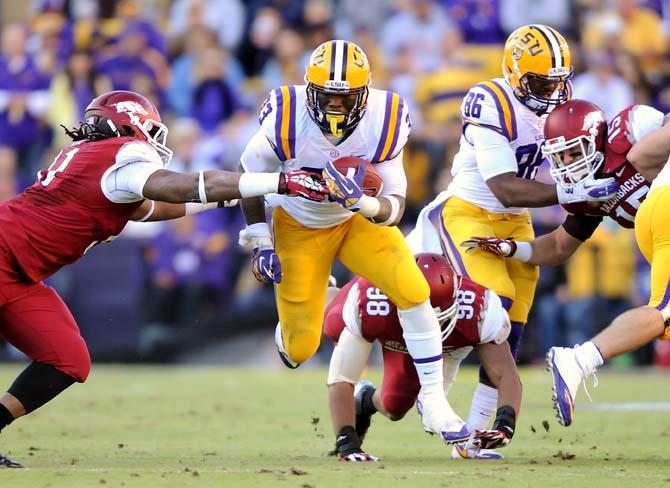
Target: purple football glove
<point x="345" y="190"/>
<point x="265" y="265"/>
<point x="589" y="190"/>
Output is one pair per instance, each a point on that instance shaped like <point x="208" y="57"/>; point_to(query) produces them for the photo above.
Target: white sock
<point x="588" y="357"/>
<point x="484" y="403"/>
<point x="422" y="335"/>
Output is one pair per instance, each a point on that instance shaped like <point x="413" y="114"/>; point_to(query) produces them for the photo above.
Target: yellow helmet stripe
<point x="552" y="43"/>
<point x="390" y="127"/>
<point x="505" y="108"/>
<point x="285" y="122"/>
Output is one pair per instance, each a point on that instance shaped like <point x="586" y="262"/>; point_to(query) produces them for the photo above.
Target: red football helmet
<point x="124" y="113"/>
<point x="444" y="284"/>
<point x="576" y="130"/>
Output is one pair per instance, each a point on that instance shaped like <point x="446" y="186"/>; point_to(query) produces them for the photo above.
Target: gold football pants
<point x="377" y="253"/>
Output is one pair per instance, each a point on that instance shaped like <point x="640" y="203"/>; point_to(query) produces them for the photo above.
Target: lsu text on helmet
<point x="537" y="65"/>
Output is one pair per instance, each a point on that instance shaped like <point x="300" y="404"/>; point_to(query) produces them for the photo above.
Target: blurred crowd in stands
<point x="207" y="64"/>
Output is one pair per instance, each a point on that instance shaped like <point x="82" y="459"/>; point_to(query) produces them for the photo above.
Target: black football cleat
<point x="363" y="392"/>
<point x="5" y="462"/>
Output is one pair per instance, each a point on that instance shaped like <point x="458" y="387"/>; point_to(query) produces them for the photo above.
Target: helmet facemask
<point x="585" y="163"/>
<point x="447" y="317"/>
<point x="542" y="93"/>
<point x="337" y="123"/>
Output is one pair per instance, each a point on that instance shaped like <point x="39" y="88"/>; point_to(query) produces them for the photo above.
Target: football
<point x="372" y="182"/>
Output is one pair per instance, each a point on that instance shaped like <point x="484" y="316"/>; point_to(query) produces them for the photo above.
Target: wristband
<point x="149" y="213"/>
<point x="368" y="206"/>
<point x="505" y="420"/>
<point x="202" y="193"/>
<point x="258" y="184"/>
<point x="395" y="210"/>
<point x="193" y="208"/>
<point x="524" y="251"/>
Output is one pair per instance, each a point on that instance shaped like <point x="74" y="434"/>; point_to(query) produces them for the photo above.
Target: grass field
<point x="216" y="427"/>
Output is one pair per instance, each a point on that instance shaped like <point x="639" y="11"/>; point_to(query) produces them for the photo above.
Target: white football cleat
<point x="283" y="355"/>
<point x="462" y="451"/>
<point x="567" y="375"/>
<point x="439" y="418"/>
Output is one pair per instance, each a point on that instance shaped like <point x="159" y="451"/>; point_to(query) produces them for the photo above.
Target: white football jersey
<point x="288" y="139"/>
<point x="492" y="104"/>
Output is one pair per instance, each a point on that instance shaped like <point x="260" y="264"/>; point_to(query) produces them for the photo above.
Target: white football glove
<point x="589" y="190"/>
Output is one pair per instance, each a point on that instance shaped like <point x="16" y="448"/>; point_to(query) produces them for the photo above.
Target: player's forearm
<point x="208" y="186"/>
<point x="387" y="210"/>
<point x="341" y="405"/>
<point x="650" y="155"/>
<point x="253" y="210"/>
<point x="500" y="367"/>
<point x="512" y="191"/>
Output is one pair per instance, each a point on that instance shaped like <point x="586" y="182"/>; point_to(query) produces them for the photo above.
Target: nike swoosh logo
<point x="428" y="372"/>
<point x="341" y="438"/>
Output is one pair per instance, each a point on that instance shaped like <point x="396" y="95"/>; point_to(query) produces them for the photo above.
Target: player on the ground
<point x="113" y="172"/>
<point x="470" y="316"/>
<point x="580" y="144"/>
<point x="336" y="114"/>
<point x="494" y="173"/>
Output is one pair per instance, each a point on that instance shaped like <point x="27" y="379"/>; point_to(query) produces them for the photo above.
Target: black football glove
<point x="348" y="446"/>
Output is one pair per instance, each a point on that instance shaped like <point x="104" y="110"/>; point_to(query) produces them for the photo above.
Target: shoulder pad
<point x="277" y="118"/>
<point x="393" y="129"/>
<point x="135" y="151"/>
<point x="487" y="104"/>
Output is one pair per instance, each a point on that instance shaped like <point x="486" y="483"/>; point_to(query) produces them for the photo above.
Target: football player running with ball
<point x="494" y="173"/>
<point x="580" y="145"/>
<point x="113" y="172"/>
<point x="334" y="115"/>
<point x="470" y="316"/>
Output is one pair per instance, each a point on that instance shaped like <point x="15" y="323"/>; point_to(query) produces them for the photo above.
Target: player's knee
<point x="79" y="365"/>
<point x="412" y="287"/>
<point x="396" y="406"/>
<point x="301" y="345"/>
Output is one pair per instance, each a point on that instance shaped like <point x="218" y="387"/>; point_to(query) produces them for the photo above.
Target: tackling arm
<point x="499" y="364"/>
<point x="650" y="155"/>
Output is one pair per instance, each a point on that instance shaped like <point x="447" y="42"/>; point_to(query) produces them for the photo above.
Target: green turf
<point x="193" y="426"/>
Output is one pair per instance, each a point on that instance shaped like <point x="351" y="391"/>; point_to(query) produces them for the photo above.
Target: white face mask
<point x="585" y="165"/>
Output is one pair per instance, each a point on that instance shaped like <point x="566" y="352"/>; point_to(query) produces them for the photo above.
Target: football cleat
<point x="567" y="375"/>
<point x="462" y="451"/>
<point x="440" y="418"/>
<point x="5" y="462"/>
<point x="362" y="390"/>
<point x="283" y="355"/>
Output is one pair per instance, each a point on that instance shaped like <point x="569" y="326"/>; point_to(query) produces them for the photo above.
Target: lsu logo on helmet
<point x="337" y="76"/>
<point x="537" y="65"/>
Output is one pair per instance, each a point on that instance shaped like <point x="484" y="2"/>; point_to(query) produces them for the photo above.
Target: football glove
<point x="589" y="190"/>
<point x="500" y="247"/>
<point x="303" y="183"/>
<point x="502" y="432"/>
<point x="348" y="446"/>
<point x="345" y="190"/>
<point x="265" y="265"/>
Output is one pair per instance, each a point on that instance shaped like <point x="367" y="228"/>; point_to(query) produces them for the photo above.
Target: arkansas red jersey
<point x="55" y="221"/>
<point x="633" y="187"/>
<point x="379" y="317"/>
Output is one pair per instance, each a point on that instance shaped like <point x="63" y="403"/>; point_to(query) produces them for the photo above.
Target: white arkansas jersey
<point x="291" y="140"/>
<point x="491" y="104"/>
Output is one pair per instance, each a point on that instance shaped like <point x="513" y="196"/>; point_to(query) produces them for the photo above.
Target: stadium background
<point x="183" y="291"/>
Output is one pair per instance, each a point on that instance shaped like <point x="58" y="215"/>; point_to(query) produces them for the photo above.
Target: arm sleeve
<point x="259" y="156"/>
<point x="492" y="150"/>
<point x="642" y="121"/>
<point x="349" y="359"/>
<point x="135" y="162"/>
<point x="392" y="172"/>
<point x="581" y="227"/>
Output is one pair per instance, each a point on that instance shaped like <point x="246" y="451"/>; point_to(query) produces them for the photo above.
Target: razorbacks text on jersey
<point x="295" y="141"/>
<point x="55" y="221"/>
<point x="492" y="104"/>
<point x="368" y="313"/>
<point x="623" y="131"/>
